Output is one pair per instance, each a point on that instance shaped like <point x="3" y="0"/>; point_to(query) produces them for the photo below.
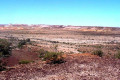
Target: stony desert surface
<point x="76" y="42"/>
<point x="76" y="67"/>
<point x="67" y="38"/>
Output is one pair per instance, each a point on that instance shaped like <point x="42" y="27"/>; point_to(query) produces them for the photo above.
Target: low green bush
<point x="2" y="66"/>
<point x="23" y="42"/>
<point x="42" y="53"/>
<point x="5" y="47"/>
<point x="98" y="53"/>
<point x="5" y="51"/>
<point x="51" y="57"/>
<point x="24" y="62"/>
<point x="117" y="55"/>
<point x="28" y="40"/>
<point x="1" y="54"/>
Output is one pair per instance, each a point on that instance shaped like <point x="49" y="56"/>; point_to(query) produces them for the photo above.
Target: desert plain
<point x="76" y="42"/>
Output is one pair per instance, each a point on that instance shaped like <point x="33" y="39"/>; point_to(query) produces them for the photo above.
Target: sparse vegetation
<point x="117" y="55"/>
<point x="42" y="53"/>
<point x="78" y="50"/>
<point x="54" y="41"/>
<point x="5" y="50"/>
<point x="23" y="42"/>
<point x="51" y="57"/>
<point x="5" y="47"/>
<point x="98" y="53"/>
<point x="98" y="46"/>
<point x="24" y="62"/>
<point x="56" y="46"/>
<point x="28" y="40"/>
<point x="2" y="66"/>
<point x="49" y="41"/>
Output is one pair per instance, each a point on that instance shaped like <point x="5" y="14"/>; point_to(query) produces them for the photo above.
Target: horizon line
<point x="59" y="25"/>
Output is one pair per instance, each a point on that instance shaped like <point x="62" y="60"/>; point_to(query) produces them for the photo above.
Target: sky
<point x="61" y="12"/>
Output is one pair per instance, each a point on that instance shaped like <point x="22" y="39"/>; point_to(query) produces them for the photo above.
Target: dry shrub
<point x="24" y="62"/>
<point x="51" y="57"/>
<point x="117" y="55"/>
<point x="98" y="53"/>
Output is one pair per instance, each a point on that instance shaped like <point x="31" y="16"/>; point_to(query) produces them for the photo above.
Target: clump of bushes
<point x="24" y="62"/>
<point x="5" y="50"/>
<point x="98" y="53"/>
<point x="2" y="66"/>
<point x="54" y="57"/>
<point x="51" y="57"/>
<point x="42" y="53"/>
<point x="5" y="47"/>
<point x="117" y="55"/>
<point x="28" y="40"/>
<point x="23" y="42"/>
<point x="98" y="46"/>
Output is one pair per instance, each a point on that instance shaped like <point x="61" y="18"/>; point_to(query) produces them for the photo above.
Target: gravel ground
<point x="76" y="67"/>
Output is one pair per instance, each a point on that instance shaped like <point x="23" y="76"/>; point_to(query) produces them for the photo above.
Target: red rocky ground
<point x="76" y="67"/>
